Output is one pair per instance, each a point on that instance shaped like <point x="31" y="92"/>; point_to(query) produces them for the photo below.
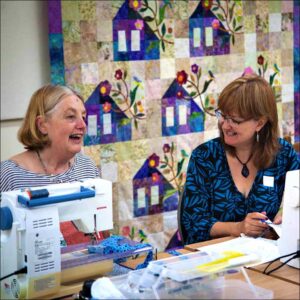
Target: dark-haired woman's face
<point x="237" y="131"/>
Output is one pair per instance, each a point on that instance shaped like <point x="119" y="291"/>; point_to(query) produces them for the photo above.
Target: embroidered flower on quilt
<point x="105" y="88"/>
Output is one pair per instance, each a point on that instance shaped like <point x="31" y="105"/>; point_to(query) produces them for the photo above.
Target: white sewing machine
<point x="289" y="241"/>
<point x="30" y="235"/>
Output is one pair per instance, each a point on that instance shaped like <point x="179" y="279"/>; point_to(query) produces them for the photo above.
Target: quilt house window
<point x="197" y="37"/>
<point x="182" y="115"/>
<point x="209" y="41"/>
<point x="170" y="116"/>
<point x="135" y="40"/>
<point x="141" y="198"/>
<point x="92" y="125"/>
<point x="107" y="124"/>
<point x="154" y="195"/>
<point x="122" y="41"/>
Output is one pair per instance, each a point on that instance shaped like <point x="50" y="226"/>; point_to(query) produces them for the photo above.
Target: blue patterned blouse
<point x="211" y="195"/>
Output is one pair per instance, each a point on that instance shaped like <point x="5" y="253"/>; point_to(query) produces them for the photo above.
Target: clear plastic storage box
<point x="180" y="278"/>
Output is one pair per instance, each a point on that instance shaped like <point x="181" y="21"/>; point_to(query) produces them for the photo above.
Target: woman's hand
<point x="278" y="217"/>
<point x="252" y="224"/>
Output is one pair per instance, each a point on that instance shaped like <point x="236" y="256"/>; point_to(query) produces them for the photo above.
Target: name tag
<point x="268" y="181"/>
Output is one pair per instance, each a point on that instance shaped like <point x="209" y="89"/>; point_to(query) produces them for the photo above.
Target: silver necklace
<point x="44" y="166"/>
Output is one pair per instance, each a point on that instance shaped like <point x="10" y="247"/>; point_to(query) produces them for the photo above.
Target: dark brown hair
<point x="251" y="97"/>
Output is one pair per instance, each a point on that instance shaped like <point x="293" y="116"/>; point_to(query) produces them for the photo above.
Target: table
<point x="286" y="273"/>
<point x="283" y="282"/>
<point x="194" y="247"/>
<point x="281" y="289"/>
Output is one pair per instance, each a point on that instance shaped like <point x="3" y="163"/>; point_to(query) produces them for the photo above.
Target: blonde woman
<point x="52" y="134"/>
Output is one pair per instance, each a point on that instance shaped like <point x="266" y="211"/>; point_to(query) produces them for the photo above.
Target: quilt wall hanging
<point x="150" y="72"/>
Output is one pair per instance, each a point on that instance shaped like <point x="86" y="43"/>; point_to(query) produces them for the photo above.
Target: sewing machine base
<point x="16" y="287"/>
<point x="73" y="278"/>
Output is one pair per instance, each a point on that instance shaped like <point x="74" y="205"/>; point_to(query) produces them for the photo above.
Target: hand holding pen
<point x="253" y="226"/>
<point x="266" y="221"/>
<point x="277" y="220"/>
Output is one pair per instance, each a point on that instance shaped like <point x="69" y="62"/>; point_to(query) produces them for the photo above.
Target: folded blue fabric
<point x="119" y="244"/>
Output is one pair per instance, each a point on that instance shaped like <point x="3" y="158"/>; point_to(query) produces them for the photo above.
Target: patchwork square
<point x="275" y="22"/>
<point x="89" y="73"/>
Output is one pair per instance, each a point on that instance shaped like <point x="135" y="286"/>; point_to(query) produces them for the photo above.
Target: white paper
<point x="265" y="249"/>
<point x="277" y="228"/>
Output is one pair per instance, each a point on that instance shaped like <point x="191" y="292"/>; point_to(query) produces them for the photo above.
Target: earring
<point x="257" y="137"/>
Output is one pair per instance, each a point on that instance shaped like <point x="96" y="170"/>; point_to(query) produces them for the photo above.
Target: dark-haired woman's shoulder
<point x="285" y="146"/>
<point x="288" y="155"/>
<point x="213" y="146"/>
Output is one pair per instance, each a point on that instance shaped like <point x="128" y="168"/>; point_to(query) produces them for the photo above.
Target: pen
<point x="267" y="221"/>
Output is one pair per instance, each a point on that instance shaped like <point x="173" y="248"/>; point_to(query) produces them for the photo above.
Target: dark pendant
<point x="245" y="171"/>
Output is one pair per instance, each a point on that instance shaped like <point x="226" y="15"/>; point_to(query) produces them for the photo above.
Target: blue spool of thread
<point x="42" y="193"/>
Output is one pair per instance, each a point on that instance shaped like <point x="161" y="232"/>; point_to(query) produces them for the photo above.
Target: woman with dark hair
<point x="236" y="181"/>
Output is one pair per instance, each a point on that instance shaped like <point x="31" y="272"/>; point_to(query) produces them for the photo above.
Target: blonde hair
<point x="251" y="97"/>
<point x="41" y="104"/>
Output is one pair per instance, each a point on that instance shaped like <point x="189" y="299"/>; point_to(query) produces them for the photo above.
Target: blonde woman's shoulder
<point x="26" y="159"/>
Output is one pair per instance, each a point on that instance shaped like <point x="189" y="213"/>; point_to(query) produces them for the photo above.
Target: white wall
<point x="9" y="141"/>
<point x="25" y="64"/>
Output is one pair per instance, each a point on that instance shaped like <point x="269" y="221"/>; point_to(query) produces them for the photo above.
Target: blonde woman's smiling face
<point x="65" y="125"/>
